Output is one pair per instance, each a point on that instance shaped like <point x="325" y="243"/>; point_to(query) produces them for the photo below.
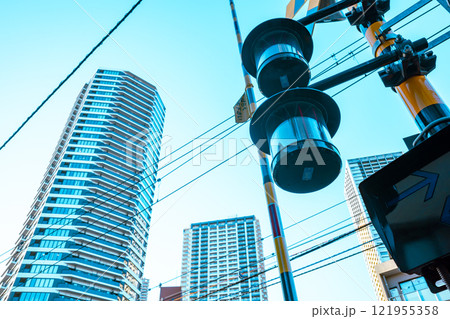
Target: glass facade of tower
<point x="217" y="254"/>
<point x="356" y="171"/>
<point x="85" y="237"/>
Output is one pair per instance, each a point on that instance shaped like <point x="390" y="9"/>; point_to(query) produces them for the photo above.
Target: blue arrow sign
<point x="445" y="217"/>
<point x="430" y="180"/>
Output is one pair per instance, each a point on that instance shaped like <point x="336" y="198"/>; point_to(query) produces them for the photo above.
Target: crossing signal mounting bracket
<point x="369" y="12"/>
<point x="412" y="62"/>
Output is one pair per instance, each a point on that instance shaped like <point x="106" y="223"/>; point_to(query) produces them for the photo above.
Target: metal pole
<point x="356" y="71"/>
<point x="417" y="93"/>
<point x="284" y="265"/>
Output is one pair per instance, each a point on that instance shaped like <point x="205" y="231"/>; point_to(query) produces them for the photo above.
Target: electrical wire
<point x="293" y="257"/>
<point x="71" y="73"/>
<point x="260" y="240"/>
<point x="352" y="53"/>
<point x="328" y="242"/>
<point x="363" y="47"/>
<point x="295" y="245"/>
<point x="276" y="266"/>
<point x="337" y="62"/>
<point x="436" y="33"/>
<point x="185" y="144"/>
<point x="414" y="19"/>
<point x="312" y="270"/>
<point x="235" y="126"/>
<point x="133" y="216"/>
<point x="308" y="239"/>
<point x="84" y="212"/>
<point x="197" y="137"/>
<point x="354" y="83"/>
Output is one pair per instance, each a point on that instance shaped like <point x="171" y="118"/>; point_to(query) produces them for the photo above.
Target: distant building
<point x="217" y="254"/>
<point x="85" y="237"/>
<point x="144" y="289"/>
<point x="170" y="294"/>
<point x="404" y="287"/>
<point x="388" y="281"/>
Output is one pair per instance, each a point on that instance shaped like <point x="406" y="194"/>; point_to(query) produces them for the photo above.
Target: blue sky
<point x="188" y="49"/>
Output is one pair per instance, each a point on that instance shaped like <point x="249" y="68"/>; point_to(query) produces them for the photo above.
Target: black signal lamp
<point x="295" y="127"/>
<point x="277" y="53"/>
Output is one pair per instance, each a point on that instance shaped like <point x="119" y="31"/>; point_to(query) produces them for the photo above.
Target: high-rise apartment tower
<point x="217" y="254"/>
<point x="85" y="237"/>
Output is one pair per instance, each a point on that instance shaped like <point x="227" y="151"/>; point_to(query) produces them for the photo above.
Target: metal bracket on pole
<point x="356" y="71"/>
<point x="412" y="62"/>
<point x="368" y="13"/>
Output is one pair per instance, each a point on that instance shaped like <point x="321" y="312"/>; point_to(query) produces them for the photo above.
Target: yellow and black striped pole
<point x="284" y="264"/>
<point x="417" y="93"/>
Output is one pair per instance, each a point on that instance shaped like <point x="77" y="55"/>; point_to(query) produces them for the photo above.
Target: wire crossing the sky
<point x="198" y="177"/>
<point x="138" y="174"/>
<point x="132" y="216"/>
<point x="72" y="73"/>
<point x="305" y="241"/>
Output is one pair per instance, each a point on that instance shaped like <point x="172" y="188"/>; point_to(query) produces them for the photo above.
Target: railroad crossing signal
<point x="295" y="124"/>
<point x="409" y="204"/>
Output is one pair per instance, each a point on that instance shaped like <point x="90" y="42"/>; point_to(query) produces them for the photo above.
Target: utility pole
<point x="432" y="116"/>
<point x="284" y="264"/>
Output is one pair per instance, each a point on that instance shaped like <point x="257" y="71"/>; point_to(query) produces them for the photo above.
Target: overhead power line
<point x="276" y="266"/>
<point x="264" y="284"/>
<point x="294" y="256"/>
<point x="199" y="147"/>
<point x="133" y="216"/>
<point x="197" y="137"/>
<point x="414" y="19"/>
<point x="72" y="72"/>
<point x="354" y="52"/>
<point x="80" y="65"/>
<point x="302" y="242"/>
<point x="136" y="175"/>
<point x="202" y="265"/>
